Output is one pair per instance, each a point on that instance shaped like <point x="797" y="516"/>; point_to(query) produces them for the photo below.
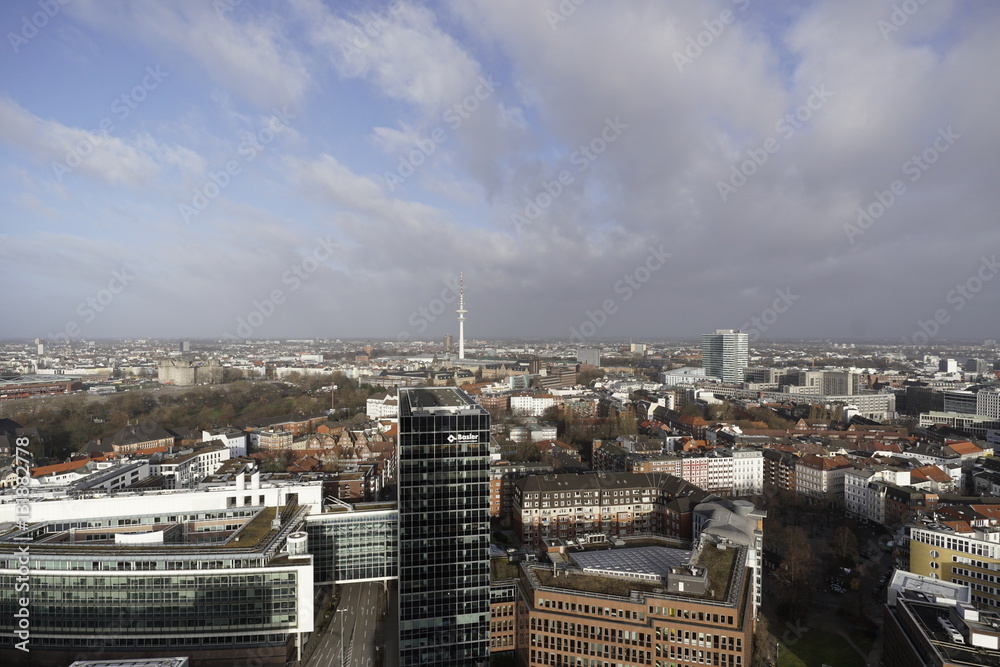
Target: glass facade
<point x="354" y="546"/>
<point x="156" y="604"/>
<point x="444" y="505"/>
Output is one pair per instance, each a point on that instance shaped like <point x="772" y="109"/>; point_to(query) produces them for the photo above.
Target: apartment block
<point x="610" y="504"/>
<point x="821" y="476"/>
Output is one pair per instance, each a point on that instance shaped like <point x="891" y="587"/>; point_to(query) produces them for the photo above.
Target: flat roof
<point x="133" y="662"/>
<point x="18" y="380"/>
<point x="434" y="400"/>
<point x="652" y="561"/>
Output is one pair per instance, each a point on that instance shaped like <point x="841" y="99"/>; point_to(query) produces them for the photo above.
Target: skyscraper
<point x="444" y="506"/>
<point x="725" y="354"/>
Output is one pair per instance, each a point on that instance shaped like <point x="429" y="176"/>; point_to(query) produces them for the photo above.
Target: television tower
<point x="461" y="316"/>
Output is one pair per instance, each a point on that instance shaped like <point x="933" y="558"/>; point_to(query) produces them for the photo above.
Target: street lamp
<point x="341" y="636"/>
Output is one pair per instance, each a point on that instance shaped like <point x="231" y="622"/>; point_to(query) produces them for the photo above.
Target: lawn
<point x="816" y="648"/>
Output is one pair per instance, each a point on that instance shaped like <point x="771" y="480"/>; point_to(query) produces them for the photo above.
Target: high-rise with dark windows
<point x="444" y="508"/>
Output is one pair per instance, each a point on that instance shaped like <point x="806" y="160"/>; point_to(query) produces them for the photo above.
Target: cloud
<point x="402" y="49"/>
<point x="69" y="149"/>
<point x="245" y="52"/>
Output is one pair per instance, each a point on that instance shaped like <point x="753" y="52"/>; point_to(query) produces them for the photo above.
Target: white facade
<point x="164" y="502"/>
<point x="235" y="440"/>
<point x="184" y="471"/>
<point x="864" y="496"/>
<point x="725" y="354"/>
<point x="988" y="403"/>
<point x="531" y="405"/>
<point x="748" y="472"/>
<point x="382" y="407"/>
<point x="682" y="375"/>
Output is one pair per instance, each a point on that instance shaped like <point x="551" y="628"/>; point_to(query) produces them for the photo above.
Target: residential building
<point x="186" y="468"/>
<point x="532" y="405"/>
<point x="234" y="439"/>
<point x="133" y="438"/>
<point x="382" y="406"/>
<point x="502" y="477"/>
<point x="261" y="439"/>
<point x="780" y="470"/>
<point x="821" y="476"/>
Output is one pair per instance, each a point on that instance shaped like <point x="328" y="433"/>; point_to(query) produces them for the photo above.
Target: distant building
<point x="988" y="403"/>
<point x="589" y="355"/>
<point x="270" y="439"/>
<point x="382" y="406"/>
<point x="235" y="439"/>
<point x="725" y="354"/>
<point x="186" y="372"/>
<point x="23" y="386"/>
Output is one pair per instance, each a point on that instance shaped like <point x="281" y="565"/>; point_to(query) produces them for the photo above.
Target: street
<point x="359" y="622"/>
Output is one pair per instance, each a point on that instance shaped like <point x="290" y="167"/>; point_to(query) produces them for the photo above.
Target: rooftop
<point x="638" y="561"/>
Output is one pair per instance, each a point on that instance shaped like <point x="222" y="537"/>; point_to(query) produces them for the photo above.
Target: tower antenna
<point x="461" y="315"/>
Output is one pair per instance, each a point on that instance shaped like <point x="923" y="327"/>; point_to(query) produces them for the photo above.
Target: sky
<point x="594" y="170"/>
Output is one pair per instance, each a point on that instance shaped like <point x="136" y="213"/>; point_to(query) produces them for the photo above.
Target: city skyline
<point x="239" y="169"/>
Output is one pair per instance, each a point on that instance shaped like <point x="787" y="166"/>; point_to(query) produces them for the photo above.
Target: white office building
<point x="725" y="354"/>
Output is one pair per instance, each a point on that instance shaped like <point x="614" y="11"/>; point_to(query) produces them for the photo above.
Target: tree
<point x="585" y="377"/>
<point x="761" y="643"/>
<point x="845" y="545"/>
<point x="626" y="423"/>
<point x="798" y="565"/>
<point x="526" y="451"/>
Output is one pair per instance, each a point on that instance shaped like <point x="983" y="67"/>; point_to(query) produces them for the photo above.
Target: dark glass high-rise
<point x="444" y="566"/>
